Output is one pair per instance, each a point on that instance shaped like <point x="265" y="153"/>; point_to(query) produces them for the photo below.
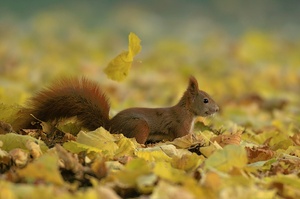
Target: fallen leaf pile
<point x="100" y="163"/>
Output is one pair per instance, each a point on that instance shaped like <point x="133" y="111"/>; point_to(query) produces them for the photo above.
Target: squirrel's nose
<point x="217" y="109"/>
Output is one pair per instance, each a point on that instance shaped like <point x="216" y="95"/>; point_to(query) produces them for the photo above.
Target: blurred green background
<point x="234" y="48"/>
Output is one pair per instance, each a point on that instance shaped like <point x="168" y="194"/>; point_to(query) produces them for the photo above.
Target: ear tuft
<point x="193" y="84"/>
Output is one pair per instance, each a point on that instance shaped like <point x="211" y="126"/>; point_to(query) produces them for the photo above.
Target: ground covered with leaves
<point x="250" y="149"/>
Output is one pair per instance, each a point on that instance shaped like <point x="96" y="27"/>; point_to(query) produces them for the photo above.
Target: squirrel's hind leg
<point x="132" y="127"/>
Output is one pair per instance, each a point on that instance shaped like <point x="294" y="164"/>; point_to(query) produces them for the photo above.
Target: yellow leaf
<point x="134" y="46"/>
<point x="12" y="141"/>
<point x="44" y="168"/>
<point x="186" y="162"/>
<point x="126" y="147"/>
<point x="100" y="138"/>
<point x="165" y="171"/>
<point x="76" y="147"/>
<point x="129" y="175"/>
<point x="152" y="154"/>
<point x="146" y="183"/>
<point x="8" y="112"/>
<point x="119" y="67"/>
<point x="188" y="140"/>
<point x="6" y="190"/>
<point x="208" y="150"/>
<point x="228" y="158"/>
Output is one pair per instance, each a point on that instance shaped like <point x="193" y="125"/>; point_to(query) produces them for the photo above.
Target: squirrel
<point x="83" y="98"/>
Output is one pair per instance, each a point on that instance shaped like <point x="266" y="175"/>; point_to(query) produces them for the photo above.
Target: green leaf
<point x="12" y="141"/>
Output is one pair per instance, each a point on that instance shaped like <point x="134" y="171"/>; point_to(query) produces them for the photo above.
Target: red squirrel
<point x="83" y="98"/>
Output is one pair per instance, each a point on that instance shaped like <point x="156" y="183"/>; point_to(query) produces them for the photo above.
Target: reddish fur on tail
<point x="67" y="98"/>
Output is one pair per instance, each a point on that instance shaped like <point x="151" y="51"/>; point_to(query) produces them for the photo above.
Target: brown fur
<point x="68" y="98"/>
<point x="83" y="98"/>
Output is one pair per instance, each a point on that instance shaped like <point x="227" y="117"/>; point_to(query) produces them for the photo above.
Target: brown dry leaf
<point x="285" y="165"/>
<point x="99" y="167"/>
<point x="287" y="186"/>
<point x="261" y="153"/>
<point x="19" y="156"/>
<point x="69" y="160"/>
<point x="34" y="149"/>
<point x="296" y="138"/>
<point x="5" y="158"/>
<point x="124" y="159"/>
<point x="224" y="140"/>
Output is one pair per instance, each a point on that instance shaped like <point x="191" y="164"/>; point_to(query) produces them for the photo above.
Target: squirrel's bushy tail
<point x="68" y="98"/>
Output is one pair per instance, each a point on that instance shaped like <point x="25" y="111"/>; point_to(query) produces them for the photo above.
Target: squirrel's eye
<point x="205" y="101"/>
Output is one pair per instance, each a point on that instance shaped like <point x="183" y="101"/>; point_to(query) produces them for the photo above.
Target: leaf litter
<point x="252" y="150"/>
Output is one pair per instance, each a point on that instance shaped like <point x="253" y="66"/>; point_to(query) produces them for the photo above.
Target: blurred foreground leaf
<point x="45" y="168"/>
<point x="232" y="156"/>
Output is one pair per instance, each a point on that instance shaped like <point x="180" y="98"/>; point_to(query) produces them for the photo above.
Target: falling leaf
<point x="119" y="67"/>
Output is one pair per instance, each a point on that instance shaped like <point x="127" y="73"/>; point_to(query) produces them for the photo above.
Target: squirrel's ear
<point x="193" y="84"/>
